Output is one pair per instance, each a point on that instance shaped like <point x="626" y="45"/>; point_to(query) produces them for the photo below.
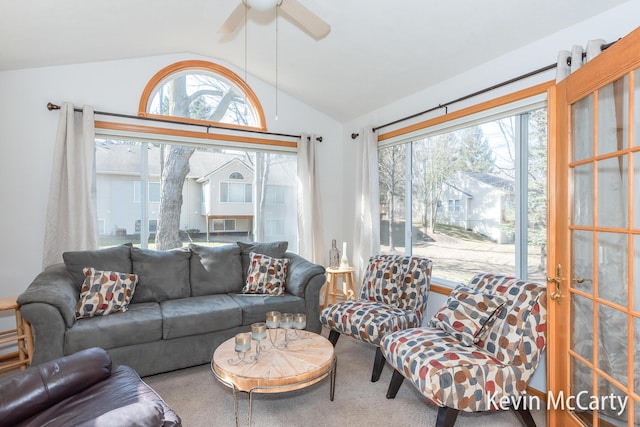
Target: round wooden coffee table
<point x="307" y="359"/>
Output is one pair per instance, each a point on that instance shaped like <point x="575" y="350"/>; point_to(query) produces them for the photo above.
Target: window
<point x="195" y="181"/>
<point x="124" y="166"/>
<point x="207" y="92"/>
<point x="235" y="192"/>
<point x="454" y="195"/>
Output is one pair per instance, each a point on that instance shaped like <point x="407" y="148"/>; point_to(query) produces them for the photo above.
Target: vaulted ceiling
<point x="377" y="52"/>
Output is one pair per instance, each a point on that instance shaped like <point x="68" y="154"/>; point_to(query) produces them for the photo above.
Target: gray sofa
<point x="187" y="302"/>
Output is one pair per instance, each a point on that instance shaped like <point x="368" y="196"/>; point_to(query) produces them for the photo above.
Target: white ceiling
<point x="378" y="51"/>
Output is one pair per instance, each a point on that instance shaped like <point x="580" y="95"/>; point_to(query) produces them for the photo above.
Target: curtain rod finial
<point x="52" y="106"/>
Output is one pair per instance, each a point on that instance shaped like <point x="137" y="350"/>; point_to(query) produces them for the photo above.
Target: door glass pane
<point x="636" y="278"/>
<point x="582" y="327"/>
<point x="612" y="192"/>
<point x="636" y="360"/>
<point x="583" y="195"/>
<point x="392" y="181"/>
<point x="636" y="186"/>
<point x="613" y="119"/>
<point x="612" y="267"/>
<point x="582" y="128"/>
<point x="611" y="412"/>
<point x="582" y="388"/>
<point x="636" y="115"/>
<point x="612" y="342"/>
<point x="582" y="250"/>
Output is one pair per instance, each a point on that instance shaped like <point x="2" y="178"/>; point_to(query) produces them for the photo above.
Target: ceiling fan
<point x="298" y="13"/>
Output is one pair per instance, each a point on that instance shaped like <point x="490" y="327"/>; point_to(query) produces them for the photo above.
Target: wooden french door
<point x="594" y="260"/>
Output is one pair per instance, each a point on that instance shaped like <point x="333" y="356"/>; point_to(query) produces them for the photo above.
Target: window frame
<point x="513" y="104"/>
<point x="207" y="66"/>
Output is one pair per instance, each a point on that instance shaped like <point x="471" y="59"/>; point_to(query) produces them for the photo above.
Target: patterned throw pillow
<point x="105" y="292"/>
<point x="466" y="313"/>
<point x="266" y="275"/>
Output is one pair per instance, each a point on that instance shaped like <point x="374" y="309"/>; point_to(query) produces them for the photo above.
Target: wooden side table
<point x="21" y="335"/>
<point x="343" y="276"/>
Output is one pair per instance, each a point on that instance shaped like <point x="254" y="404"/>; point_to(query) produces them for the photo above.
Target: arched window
<point x="201" y="91"/>
<point x="236" y="175"/>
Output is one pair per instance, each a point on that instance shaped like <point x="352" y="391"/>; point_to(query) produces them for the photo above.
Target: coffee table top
<point x="303" y="363"/>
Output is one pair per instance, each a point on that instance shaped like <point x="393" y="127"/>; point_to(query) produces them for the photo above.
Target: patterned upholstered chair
<point x="393" y="297"/>
<point x="480" y="349"/>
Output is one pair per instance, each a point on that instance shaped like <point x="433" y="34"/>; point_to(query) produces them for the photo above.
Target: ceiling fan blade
<point x="234" y="20"/>
<point x="308" y="20"/>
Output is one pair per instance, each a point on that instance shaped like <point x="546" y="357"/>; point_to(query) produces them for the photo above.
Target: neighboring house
<point x="219" y="193"/>
<point x="480" y="202"/>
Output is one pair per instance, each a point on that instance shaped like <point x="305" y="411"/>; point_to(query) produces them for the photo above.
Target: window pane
<point x="464" y="201"/>
<point x="203" y="196"/>
<point x="211" y="97"/>
<point x="392" y="199"/>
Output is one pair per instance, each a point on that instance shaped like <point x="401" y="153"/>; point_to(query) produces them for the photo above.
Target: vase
<point x="334" y="255"/>
<point x="344" y="261"/>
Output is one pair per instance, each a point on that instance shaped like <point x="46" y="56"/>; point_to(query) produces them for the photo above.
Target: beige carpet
<point x="201" y="400"/>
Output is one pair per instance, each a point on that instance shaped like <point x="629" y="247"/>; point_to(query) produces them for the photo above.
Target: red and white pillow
<point x="266" y="275"/>
<point x="105" y="292"/>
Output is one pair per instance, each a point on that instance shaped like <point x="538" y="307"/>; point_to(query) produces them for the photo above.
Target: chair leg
<point x="524" y="415"/>
<point x="394" y="385"/>
<point x="333" y="337"/>
<point x="446" y="417"/>
<point x="378" y="364"/>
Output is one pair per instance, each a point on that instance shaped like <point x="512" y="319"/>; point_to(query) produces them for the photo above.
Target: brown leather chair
<point x="81" y="389"/>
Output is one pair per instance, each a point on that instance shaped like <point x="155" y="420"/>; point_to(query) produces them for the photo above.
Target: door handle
<point x="581" y="280"/>
<point x="557" y="294"/>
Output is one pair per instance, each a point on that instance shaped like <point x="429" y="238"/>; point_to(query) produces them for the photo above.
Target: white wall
<point x="610" y="26"/>
<point x="27" y="134"/>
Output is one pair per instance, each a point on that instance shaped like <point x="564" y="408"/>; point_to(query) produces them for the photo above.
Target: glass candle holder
<point x="286" y="322"/>
<point x="243" y="342"/>
<point x="273" y="319"/>
<point x="259" y="331"/>
<point x="299" y="321"/>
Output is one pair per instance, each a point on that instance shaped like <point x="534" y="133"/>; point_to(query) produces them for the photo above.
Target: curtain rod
<point x="480" y="92"/>
<point x="51" y="106"/>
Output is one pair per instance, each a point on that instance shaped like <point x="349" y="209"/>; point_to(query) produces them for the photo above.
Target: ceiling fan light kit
<point x="262" y="4"/>
<point x="293" y="9"/>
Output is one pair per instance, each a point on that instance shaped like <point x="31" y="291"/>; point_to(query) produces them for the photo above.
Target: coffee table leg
<point x="235" y="404"/>
<point x="249" y="416"/>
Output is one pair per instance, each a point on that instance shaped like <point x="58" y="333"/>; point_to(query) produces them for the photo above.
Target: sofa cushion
<point x="140" y="324"/>
<point x="199" y="315"/>
<point x="163" y="275"/>
<point x="255" y="307"/>
<point x="466" y="313"/>
<point x="105" y="292"/>
<point x="273" y="249"/>
<point x="266" y="275"/>
<point x="117" y="258"/>
<point x="215" y="270"/>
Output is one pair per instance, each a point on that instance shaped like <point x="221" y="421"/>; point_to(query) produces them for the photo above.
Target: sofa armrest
<point x="299" y="272"/>
<point x="54" y="286"/>
<point x="27" y="393"/>
<point x="305" y="279"/>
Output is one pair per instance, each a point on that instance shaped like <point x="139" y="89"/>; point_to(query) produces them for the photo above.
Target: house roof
<point x="496" y="181"/>
<point x="377" y="52"/>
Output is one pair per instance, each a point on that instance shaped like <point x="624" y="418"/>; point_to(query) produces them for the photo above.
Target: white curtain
<point x="70" y="221"/>
<point x="569" y="62"/>
<point x="366" y="236"/>
<point x="310" y="233"/>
